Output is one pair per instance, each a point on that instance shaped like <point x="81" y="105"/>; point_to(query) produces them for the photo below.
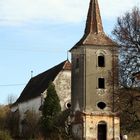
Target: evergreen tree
<point x="50" y="112"/>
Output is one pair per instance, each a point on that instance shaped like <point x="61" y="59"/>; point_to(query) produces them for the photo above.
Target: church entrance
<point x="102" y="131"/>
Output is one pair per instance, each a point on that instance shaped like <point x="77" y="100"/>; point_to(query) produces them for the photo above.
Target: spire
<point x="94" y="34"/>
<point x="94" y="22"/>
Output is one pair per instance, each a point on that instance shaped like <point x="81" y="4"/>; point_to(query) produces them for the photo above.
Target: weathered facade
<point x="94" y="68"/>
<point x="32" y="97"/>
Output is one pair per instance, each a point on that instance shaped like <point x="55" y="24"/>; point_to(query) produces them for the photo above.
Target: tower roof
<point x="94" y="22"/>
<point x="94" y="33"/>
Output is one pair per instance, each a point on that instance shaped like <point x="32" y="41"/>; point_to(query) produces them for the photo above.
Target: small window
<point x="68" y="105"/>
<point x="101" y="105"/>
<point x="101" y="83"/>
<point x="101" y="61"/>
<point x="77" y="63"/>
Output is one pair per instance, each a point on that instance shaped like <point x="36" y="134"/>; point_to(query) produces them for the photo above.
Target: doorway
<point x="102" y="131"/>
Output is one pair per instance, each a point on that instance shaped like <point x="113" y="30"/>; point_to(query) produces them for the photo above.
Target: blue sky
<point x="36" y="35"/>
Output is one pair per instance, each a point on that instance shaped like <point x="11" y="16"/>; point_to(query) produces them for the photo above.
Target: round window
<point x="101" y="105"/>
<point x="68" y="104"/>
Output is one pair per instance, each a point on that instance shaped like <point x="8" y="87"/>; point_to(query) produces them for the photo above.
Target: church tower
<point x="94" y="67"/>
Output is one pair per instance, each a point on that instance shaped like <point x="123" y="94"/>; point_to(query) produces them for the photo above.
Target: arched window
<point x="101" y="61"/>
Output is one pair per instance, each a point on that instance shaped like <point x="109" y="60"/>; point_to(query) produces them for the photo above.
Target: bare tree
<point x="127" y="35"/>
<point x="127" y="96"/>
<point x="11" y="99"/>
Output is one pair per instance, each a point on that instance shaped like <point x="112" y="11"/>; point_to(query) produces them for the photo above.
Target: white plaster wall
<point x="32" y="105"/>
<point x="14" y="108"/>
<point x="63" y="87"/>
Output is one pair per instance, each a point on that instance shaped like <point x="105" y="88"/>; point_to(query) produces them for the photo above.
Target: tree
<point x="12" y="120"/>
<point x="127" y="35"/>
<point x="127" y="105"/>
<point x="127" y="98"/>
<point x="11" y="99"/>
<point x="3" y="114"/>
<point x="64" y="124"/>
<point x="5" y="131"/>
<point x="30" y="125"/>
<point x="50" y="112"/>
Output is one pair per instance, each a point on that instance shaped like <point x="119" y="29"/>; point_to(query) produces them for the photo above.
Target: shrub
<point x="4" y="135"/>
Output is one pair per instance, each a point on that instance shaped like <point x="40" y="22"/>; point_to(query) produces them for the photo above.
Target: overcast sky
<point x="36" y="35"/>
<point x="17" y="12"/>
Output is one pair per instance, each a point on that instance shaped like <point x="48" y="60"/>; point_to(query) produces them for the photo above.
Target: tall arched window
<point x="101" y="61"/>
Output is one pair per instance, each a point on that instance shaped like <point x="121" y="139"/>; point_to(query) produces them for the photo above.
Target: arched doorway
<point x="102" y="131"/>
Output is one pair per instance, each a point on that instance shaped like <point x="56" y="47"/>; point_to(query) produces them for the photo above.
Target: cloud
<point x="16" y="12"/>
<point x="115" y="8"/>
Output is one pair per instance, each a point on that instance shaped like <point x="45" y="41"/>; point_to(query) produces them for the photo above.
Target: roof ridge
<point x="39" y="83"/>
<point x="50" y="69"/>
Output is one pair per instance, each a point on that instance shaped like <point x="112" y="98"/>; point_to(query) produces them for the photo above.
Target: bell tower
<point x="94" y="66"/>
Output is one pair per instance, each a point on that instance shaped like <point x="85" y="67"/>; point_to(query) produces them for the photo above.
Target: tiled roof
<point x="99" y="39"/>
<point x="39" y="83"/>
<point x="94" y="22"/>
<point x="94" y="34"/>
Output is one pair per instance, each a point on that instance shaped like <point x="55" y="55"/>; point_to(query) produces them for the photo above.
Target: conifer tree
<point x="50" y="112"/>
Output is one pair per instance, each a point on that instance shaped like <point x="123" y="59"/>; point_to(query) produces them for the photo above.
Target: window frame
<point x="101" y="83"/>
<point x="101" y="58"/>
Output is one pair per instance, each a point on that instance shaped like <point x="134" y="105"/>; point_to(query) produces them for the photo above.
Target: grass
<point x="4" y="135"/>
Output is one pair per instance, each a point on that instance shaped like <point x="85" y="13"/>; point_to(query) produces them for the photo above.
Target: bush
<point x="3" y="114"/>
<point x="30" y="125"/>
<point x="4" y="135"/>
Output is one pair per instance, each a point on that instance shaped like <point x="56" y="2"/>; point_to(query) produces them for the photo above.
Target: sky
<point x="35" y="35"/>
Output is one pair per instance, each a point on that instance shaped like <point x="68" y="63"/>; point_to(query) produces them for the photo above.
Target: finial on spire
<point x="94" y="22"/>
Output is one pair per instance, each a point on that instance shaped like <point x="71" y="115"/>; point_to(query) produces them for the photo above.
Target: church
<point x="90" y="81"/>
<point x="94" y="68"/>
<point x="32" y="97"/>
